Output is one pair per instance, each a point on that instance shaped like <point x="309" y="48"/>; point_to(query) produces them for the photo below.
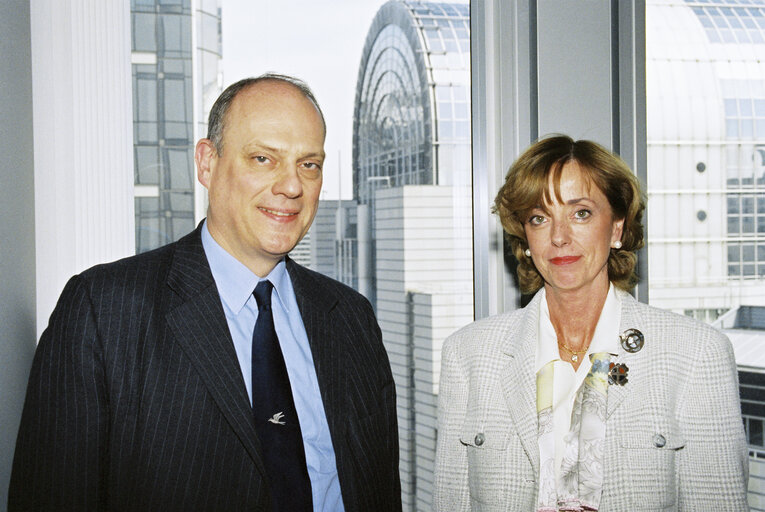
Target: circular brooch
<point x="632" y="340"/>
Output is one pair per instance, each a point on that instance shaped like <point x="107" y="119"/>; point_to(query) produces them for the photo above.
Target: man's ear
<point x="205" y="155"/>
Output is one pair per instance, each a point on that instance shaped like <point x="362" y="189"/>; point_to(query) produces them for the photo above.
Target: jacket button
<point x="479" y="439"/>
<point x="659" y="441"/>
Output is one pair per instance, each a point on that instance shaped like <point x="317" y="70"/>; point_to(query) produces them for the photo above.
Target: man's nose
<point x="288" y="182"/>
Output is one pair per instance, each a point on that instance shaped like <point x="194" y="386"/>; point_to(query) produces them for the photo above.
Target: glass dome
<point x="412" y="110"/>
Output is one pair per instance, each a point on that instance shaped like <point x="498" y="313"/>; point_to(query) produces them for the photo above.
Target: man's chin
<point x="277" y="252"/>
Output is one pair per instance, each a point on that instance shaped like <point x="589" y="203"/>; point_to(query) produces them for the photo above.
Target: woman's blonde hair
<point x="526" y="187"/>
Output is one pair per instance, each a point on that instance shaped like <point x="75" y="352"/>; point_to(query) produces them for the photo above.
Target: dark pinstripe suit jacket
<point x="136" y="400"/>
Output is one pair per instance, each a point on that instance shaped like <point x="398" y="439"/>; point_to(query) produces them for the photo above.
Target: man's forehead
<point x="270" y="91"/>
<point x="270" y="94"/>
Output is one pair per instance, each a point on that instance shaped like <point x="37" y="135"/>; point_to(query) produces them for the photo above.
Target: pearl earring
<point x="618" y="244"/>
<point x="527" y="252"/>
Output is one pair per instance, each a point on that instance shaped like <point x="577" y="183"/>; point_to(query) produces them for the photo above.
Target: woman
<point x="585" y="399"/>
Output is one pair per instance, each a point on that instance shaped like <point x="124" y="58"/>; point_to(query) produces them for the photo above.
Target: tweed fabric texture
<point x="674" y="435"/>
<point x="136" y="400"/>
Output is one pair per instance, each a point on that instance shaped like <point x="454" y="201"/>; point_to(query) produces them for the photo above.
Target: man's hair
<point x="217" y="119"/>
<point x="527" y="186"/>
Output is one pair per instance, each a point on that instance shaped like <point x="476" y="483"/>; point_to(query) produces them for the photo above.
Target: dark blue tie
<point x="276" y="420"/>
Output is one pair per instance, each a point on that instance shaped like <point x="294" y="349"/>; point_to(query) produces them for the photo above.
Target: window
<point x="398" y="227"/>
<point x="706" y="147"/>
<point x="705" y="106"/>
<point x="164" y="111"/>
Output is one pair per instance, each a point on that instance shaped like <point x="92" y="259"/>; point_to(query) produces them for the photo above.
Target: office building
<point x="745" y="327"/>
<point x="411" y="180"/>
<point x="705" y="69"/>
<point x="176" y="48"/>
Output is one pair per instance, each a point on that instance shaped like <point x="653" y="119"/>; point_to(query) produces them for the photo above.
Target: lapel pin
<point x="632" y="340"/>
<point x="617" y="373"/>
<point x="276" y="419"/>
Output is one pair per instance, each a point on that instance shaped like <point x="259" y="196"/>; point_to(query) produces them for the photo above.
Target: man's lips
<point x="278" y="214"/>
<point x="564" y="260"/>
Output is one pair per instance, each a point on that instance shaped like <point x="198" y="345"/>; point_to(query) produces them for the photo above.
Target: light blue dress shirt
<point x="235" y="284"/>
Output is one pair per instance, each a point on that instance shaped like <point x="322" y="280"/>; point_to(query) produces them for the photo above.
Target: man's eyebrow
<point x="320" y="154"/>
<point x="256" y="146"/>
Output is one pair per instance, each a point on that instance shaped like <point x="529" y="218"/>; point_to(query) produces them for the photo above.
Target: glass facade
<point x="705" y="102"/>
<point x="412" y="112"/>
<point x="165" y="111"/>
<point x="413" y="99"/>
<point x="412" y="184"/>
<point x="745" y="165"/>
<point x="732" y="21"/>
<point x="706" y="154"/>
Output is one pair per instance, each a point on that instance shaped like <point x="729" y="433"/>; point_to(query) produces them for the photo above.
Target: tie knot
<point x="263" y="293"/>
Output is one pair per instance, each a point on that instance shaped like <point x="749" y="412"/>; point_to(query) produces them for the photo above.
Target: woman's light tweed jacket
<point x="674" y="435"/>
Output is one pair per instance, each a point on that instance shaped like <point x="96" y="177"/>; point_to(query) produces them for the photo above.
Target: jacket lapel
<point x="199" y="325"/>
<point x="317" y="304"/>
<point x="519" y="380"/>
<point x="630" y="319"/>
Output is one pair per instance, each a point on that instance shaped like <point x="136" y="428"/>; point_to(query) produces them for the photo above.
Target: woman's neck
<point x="575" y="314"/>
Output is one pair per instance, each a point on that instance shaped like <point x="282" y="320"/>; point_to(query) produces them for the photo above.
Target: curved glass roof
<point x="731" y="21"/>
<point x="705" y="103"/>
<point x="412" y="115"/>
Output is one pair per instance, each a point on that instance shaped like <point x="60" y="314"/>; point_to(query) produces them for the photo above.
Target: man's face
<point x="264" y="187"/>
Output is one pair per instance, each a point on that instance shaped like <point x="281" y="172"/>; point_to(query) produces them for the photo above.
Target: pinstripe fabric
<point x="136" y="400"/>
<point x="682" y="386"/>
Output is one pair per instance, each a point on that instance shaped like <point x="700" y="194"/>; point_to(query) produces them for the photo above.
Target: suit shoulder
<point x="679" y="332"/>
<point x="146" y="270"/>
<point x="485" y="333"/>
<point x="319" y="281"/>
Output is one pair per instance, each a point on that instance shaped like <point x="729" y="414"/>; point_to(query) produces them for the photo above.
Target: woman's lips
<point x="564" y="260"/>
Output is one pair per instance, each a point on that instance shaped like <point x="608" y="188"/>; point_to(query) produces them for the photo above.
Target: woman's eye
<point x="536" y="220"/>
<point x="582" y="214"/>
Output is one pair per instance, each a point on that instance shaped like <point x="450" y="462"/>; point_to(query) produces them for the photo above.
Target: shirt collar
<point x="234" y="280"/>
<point x="603" y="340"/>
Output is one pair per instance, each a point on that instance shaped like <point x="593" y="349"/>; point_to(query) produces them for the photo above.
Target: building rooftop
<point x="745" y="327"/>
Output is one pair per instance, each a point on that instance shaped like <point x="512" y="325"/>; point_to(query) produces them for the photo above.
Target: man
<point x="163" y="384"/>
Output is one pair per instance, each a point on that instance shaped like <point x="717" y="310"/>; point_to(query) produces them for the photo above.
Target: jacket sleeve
<point x="451" y="491"/>
<point x="391" y="478"/>
<point x="60" y="456"/>
<point x="713" y="466"/>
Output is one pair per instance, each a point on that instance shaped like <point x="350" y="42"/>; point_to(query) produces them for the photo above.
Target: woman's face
<point x="570" y="241"/>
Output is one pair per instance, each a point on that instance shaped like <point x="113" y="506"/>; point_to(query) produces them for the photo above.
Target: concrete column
<point x="17" y="242"/>
<point x="363" y="226"/>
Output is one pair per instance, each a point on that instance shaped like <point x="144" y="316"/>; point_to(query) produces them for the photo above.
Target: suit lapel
<point x="317" y="304"/>
<point x="519" y="380"/>
<point x="200" y="328"/>
<point x="630" y="319"/>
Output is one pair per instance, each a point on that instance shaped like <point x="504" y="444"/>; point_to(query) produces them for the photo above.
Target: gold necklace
<point x="574" y="353"/>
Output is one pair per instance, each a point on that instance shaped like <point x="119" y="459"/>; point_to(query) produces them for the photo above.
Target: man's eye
<point x="312" y="165"/>
<point x="261" y="159"/>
